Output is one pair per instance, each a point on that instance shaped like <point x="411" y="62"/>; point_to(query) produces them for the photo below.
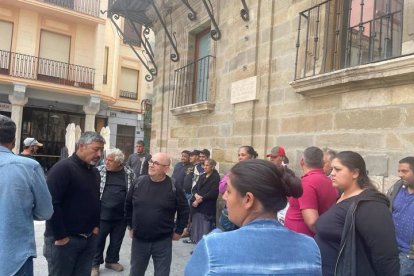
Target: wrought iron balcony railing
<point x="332" y="36"/>
<point x="35" y="68"/>
<point x="192" y="82"/>
<point x="128" y="94"/>
<point x="90" y="7"/>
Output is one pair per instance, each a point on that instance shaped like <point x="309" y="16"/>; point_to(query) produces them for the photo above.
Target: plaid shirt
<point x="129" y="177"/>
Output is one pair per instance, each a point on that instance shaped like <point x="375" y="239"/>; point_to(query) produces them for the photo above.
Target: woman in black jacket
<point x="356" y="236"/>
<point x="203" y="202"/>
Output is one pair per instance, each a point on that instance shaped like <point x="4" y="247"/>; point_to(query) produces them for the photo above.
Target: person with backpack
<point x="150" y="208"/>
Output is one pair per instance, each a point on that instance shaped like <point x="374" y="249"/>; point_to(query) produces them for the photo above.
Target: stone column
<point x="18" y="99"/>
<point x="93" y="106"/>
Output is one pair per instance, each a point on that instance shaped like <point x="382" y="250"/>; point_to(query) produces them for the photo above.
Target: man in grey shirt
<point x="138" y="161"/>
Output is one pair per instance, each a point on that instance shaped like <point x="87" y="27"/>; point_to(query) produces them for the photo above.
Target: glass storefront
<point x="49" y="128"/>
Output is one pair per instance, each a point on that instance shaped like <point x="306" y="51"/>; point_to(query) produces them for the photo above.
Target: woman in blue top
<point x="256" y="191"/>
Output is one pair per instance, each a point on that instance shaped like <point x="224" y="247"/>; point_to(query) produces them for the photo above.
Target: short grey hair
<point x="329" y="152"/>
<point x="211" y="162"/>
<point x="88" y="137"/>
<point x="117" y="153"/>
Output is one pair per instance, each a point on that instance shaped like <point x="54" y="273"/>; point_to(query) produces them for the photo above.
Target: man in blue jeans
<point x="23" y="197"/>
<point x="71" y="232"/>
<point x="401" y="197"/>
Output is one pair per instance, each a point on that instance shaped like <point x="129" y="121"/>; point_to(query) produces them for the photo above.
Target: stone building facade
<point x="275" y="80"/>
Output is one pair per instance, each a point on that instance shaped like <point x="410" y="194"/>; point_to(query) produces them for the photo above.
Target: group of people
<point x="336" y="222"/>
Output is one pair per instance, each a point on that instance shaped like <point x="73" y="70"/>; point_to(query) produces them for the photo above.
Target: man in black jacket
<point x="180" y="169"/>
<point x="74" y="185"/>
<point x="150" y="208"/>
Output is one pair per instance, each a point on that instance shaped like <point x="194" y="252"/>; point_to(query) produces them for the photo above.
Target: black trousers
<point x="116" y="231"/>
<point x="160" y="251"/>
<point x="72" y="259"/>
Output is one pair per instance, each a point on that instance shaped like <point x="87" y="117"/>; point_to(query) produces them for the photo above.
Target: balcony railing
<point x="332" y="37"/>
<point x="35" y="68"/>
<point x="192" y="82"/>
<point x="128" y="94"/>
<point x="90" y="7"/>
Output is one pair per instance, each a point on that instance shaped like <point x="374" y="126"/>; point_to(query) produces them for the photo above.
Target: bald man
<point x="150" y="208"/>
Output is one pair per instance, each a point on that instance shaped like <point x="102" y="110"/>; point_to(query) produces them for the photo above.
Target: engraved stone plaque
<point x="244" y="90"/>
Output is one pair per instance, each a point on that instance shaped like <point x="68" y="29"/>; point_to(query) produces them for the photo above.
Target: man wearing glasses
<point x="150" y="208"/>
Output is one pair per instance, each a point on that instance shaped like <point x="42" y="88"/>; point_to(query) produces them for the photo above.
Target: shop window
<point x="125" y="137"/>
<point x="48" y="126"/>
<point x="100" y="123"/>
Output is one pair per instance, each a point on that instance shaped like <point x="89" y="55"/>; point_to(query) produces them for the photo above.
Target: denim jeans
<point x="406" y="265"/>
<point x="161" y="252"/>
<point x="72" y="259"/>
<point x="116" y="231"/>
<point x="26" y="269"/>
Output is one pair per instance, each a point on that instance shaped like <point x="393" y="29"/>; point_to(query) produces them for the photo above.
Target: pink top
<point x="223" y="183"/>
<point x="318" y="194"/>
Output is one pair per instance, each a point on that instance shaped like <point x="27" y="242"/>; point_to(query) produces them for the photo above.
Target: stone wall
<point x="377" y="120"/>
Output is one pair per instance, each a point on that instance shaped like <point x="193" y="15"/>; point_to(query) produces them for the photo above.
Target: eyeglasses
<point x="156" y="163"/>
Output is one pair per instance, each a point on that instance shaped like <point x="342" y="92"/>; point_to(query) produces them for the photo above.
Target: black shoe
<point x="188" y="241"/>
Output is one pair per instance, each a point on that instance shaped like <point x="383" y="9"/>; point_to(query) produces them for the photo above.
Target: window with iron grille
<point x="337" y="34"/>
<point x="192" y="80"/>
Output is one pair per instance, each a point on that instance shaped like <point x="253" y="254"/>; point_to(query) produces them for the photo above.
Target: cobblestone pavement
<point x="181" y="254"/>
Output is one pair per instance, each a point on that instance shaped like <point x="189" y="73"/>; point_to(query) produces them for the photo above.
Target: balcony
<point x="35" y="68"/>
<point x="334" y="37"/>
<point x="90" y="7"/>
<point x="128" y="95"/>
<point x="192" y="83"/>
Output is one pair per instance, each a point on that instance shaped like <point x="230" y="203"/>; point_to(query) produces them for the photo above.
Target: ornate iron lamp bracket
<point x="174" y="56"/>
<point x="244" y="13"/>
<point x="192" y="15"/>
<point x="215" y="33"/>
<point x="146" y="52"/>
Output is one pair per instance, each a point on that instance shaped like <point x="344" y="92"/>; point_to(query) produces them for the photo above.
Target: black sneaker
<point x="188" y="241"/>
